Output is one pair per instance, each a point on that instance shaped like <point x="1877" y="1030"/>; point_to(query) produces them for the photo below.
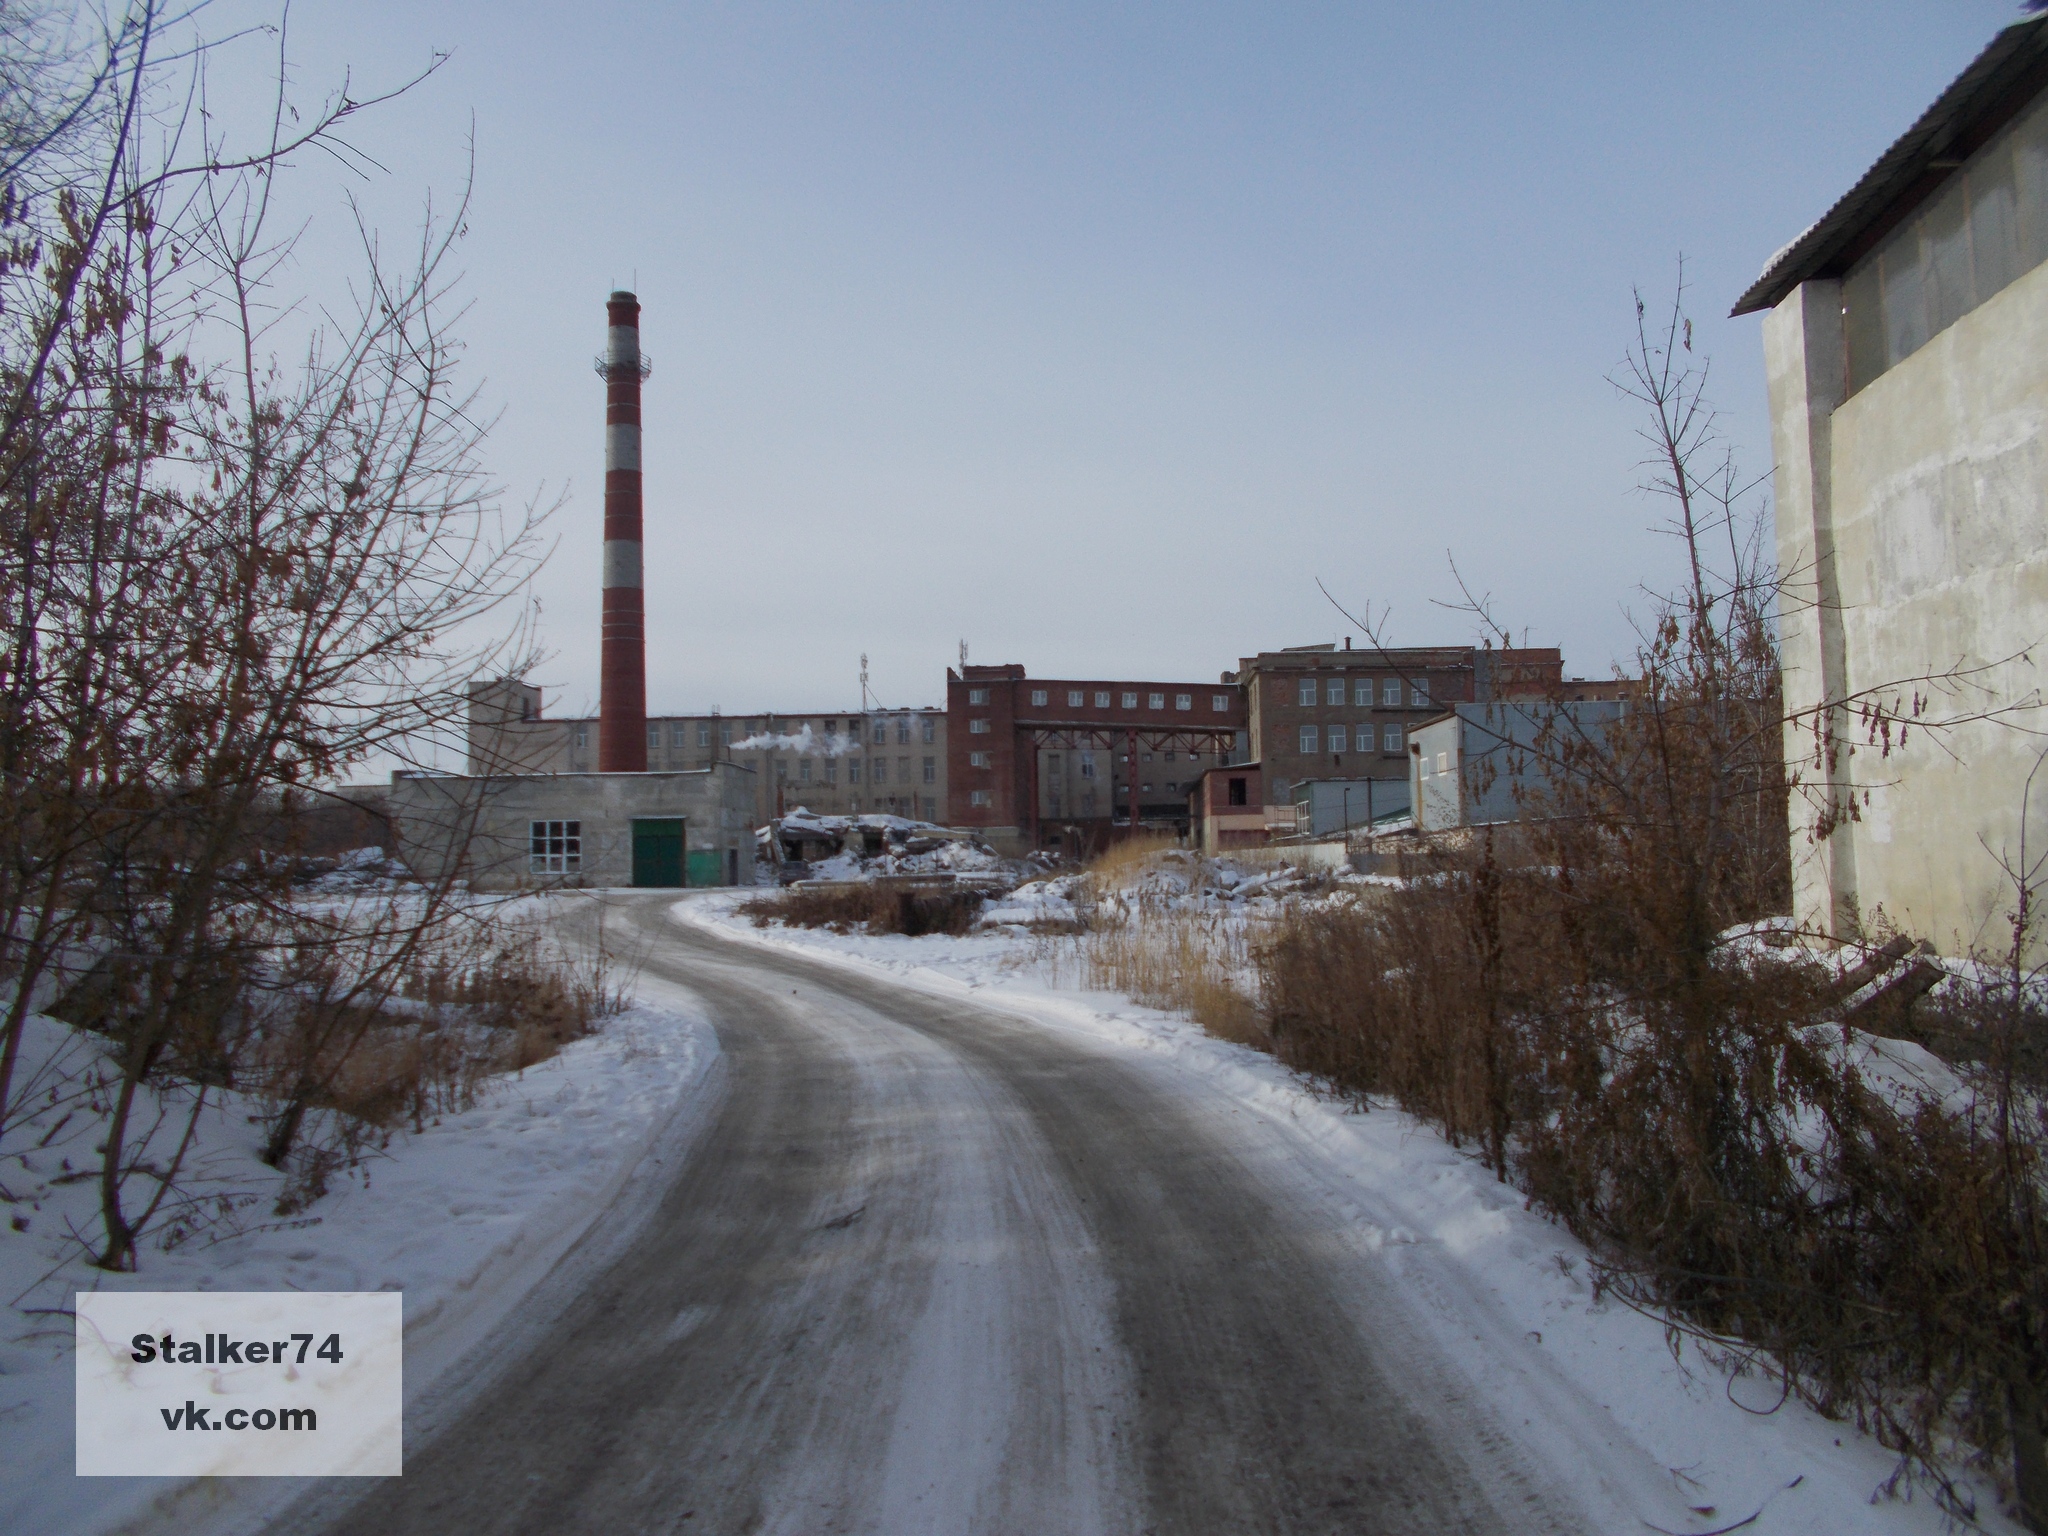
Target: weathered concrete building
<point x="535" y="831"/>
<point x="843" y="764"/>
<point x="1906" y="341"/>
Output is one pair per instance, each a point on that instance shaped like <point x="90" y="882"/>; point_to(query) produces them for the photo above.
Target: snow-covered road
<point x="932" y="1267"/>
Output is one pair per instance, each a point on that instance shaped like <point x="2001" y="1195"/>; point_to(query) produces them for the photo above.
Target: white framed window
<point x="582" y="737"/>
<point x="931" y="770"/>
<point x="725" y="733"/>
<point x="803" y="770"/>
<point x="831" y="770"/>
<point x="781" y="767"/>
<point x="977" y="695"/>
<point x="1390" y="739"/>
<point x="1157" y="701"/>
<point x="1074" y="698"/>
<point x="931" y="808"/>
<point x="1333" y="691"/>
<point x="555" y="847"/>
<point x="1183" y="701"/>
<point x="1102" y="698"/>
<point x="977" y="759"/>
<point x="1305" y="692"/>
<point x="878" y="771"/>
<point x="1362" y="693"/>
<point x="1220" y="703"/>
<point x="1418" y="696"/>
<point x="1390" y="693"/>
<point x="881" y="733"/>
<point x="1130" y="700"/>
<point x="1339" y="738"/>
<point x="929" y="728"/>
<point x="903" y="732"/>
<point x="853" y="770"/>
<point x="977" y="797"/>
<point x="1310" y="739"/>
<point x="1443" y="762"/>
<point x="1038" y="696"/>
<point x="978" y="726"/>
<point x="1087" y="765"/>
<point x="653" y="736"/>
<point x="704" y="733"/>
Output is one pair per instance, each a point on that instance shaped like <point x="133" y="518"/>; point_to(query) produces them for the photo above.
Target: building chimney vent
<point x="622" y="697"/>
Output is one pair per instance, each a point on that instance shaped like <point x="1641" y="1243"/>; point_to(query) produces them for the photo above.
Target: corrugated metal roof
<point x="1983" y="98"/>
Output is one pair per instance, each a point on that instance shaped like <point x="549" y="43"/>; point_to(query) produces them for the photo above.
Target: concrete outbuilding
<point x="1490" y="763"/>
<point x="534" y="831"/>
<point x="1906" y="343"/>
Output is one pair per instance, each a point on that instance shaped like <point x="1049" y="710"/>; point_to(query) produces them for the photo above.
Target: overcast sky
<point x="1094" y="334"/>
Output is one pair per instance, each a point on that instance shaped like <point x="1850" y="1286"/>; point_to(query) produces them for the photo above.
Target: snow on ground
<point x="1505" y="1293"/>
<point x="463" y="1217"/>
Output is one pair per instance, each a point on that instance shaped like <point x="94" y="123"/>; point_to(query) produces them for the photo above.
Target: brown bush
<point x="878" y="906"/>
<point x="1695" y="1120"/>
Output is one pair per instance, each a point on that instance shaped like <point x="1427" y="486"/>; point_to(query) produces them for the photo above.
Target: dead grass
<point x="1186" y="963"/>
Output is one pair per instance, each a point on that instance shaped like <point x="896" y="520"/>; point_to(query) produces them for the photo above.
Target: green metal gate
<point x="658" y="852"/>
<point x="704" y="866"/>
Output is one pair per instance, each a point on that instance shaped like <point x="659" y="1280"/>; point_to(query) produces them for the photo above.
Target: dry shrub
<point x="1186" y="962"/>
<point x="1122" y="862"/>
<point x="1695" y="1121"/>
<point x="877" y="906"/>
<point x="477" y="999"/>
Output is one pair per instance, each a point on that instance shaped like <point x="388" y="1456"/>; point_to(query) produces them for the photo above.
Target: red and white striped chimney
<point x="622" y="699"/>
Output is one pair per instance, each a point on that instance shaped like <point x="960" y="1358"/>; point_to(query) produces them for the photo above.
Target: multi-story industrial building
<point x="1058" y="763"/>
<point x="1316" y="712"/>
<point x="847" y="763"/>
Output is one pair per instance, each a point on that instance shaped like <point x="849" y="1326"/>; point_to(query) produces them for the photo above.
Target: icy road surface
<point x="933" y="1268"/>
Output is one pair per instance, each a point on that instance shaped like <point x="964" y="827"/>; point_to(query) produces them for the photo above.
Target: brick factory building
<point x="1061" y="763"/>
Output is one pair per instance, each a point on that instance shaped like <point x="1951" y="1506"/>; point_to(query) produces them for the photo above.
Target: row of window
<point x="1358" y="692"/>
<point x="1077" y="698"/>
<point x="1340" y="737"/>
<point x="680" y="732"/>
<point x="877" y="769"/>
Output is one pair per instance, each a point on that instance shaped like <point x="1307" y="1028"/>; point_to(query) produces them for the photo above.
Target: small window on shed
<point x="1158" y="701"/>
<point x="1074" y="698"/>
<point x="1038" y="697"/>
<point x="1102" y="698"/>
<point x="555" y="847"/>
<point x="1220" y="703"/>
<point x="1183" y="701"/>
<point x="977" y="695"/>
<point x="1130" y="701"/>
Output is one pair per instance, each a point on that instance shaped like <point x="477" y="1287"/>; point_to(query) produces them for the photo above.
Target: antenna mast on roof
<point x="863" y="682"/>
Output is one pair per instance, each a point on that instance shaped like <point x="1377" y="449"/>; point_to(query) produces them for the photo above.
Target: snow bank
<point x="463" y="1217"/>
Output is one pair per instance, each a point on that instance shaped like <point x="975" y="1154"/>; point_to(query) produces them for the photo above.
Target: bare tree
<point x="224" y="577"/>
